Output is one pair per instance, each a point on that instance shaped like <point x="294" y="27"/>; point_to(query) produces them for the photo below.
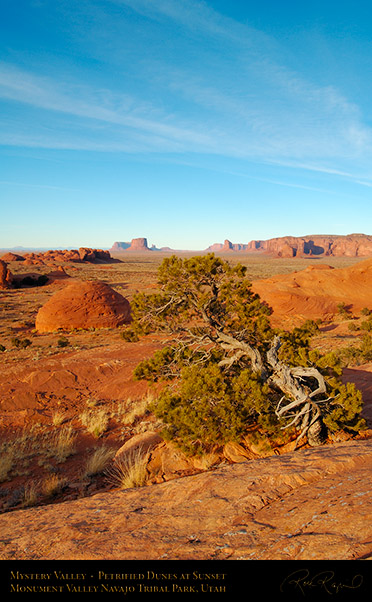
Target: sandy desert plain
<point x="68" y="402"/>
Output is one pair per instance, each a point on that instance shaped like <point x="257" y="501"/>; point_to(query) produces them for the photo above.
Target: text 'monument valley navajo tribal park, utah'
<point x="185" y="289"/>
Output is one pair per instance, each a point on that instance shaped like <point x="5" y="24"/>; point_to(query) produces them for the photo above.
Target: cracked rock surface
<point x="310" y="504"/>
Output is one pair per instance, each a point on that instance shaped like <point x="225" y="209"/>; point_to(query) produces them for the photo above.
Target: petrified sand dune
<point x="83" y="305"/>
<point x="310" y="504"/>
<point x="316" y="291"/>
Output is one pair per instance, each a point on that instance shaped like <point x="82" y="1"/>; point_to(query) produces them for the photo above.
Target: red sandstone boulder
<point x="83" y="305"/>
<point x="6" y="277"/>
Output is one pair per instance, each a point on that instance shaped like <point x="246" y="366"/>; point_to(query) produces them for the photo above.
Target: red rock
<point x="83" y="305"/>
<point x="6" y="277"/>
<point x="138" y="244"/>
<point x="316" y="291"/>
<point x="312" y="504"/>
<point x="12" y="257"/>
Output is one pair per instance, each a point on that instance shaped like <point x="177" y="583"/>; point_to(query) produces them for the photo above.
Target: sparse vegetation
<point x="96" y="422"/>
<point x="228" y="368"/>
<point x="98" y="461"/>
<point x="128" y="470"/>
<point x="20" y="343"/>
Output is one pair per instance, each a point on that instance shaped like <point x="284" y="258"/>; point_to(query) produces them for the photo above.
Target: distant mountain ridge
<point x="335" y="245"/>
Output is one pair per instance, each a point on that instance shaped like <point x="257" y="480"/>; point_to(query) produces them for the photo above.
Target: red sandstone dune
<point x="83" y="305"/>
<point x="316" y="291"/>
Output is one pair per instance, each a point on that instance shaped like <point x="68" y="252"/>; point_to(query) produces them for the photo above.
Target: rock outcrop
<point x="12" y="257"/>
<point x="83" y="305"/>
<point x="82" y="255"/>
<point x="352" y="245"/>
<point x="317" y="291"/>
<point x="6" y="276"/>
<point x="311" y="504"/>
<point x="226" y="247"/>
<point x="138" y="245"/>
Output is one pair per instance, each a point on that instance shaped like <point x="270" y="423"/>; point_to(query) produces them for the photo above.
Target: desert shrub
<point x="129" y="335"/>
<point x="365" y="311"/>
<point x="366" y="325"/>
<point x="343" y="310"/>
<point x="209" y="410"/>
<point x="63" y="342"/>
<point x="353" y="327"/>
<point x="20" y="343"/>
<point x="227" y="368"/>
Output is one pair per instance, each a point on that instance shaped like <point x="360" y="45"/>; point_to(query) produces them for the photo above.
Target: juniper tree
<point x="227" y="368"/>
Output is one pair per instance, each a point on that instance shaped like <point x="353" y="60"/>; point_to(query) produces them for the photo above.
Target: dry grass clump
<point x="131" y="410"/>
<point x="6" y="464"/>
<point x="128" y="470"/>
<point x="52" y="485"/>
<point x="96" y="422"/>
<point x="30" y="495"/>
<point x="98" y="461"/>
<point x="62" y="443"/>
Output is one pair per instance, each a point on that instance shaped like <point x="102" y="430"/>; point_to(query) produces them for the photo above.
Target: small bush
<point x="63" y="342"/>
<point x="365" y="311"/>
<point x="20" y="343"/>
<point x="129" y="335"/>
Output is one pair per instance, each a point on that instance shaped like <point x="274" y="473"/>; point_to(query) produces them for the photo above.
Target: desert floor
<point x="60" y="402"/>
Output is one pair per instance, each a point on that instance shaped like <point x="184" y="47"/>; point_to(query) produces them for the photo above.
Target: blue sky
<point x="184" y="121"/>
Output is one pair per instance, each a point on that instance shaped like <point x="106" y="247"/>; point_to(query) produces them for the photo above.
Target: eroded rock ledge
<point x="310" y="504"/>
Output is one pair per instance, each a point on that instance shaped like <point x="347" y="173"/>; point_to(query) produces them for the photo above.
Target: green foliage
<point x="344" y="411"/>
<point x="209" y="409"/>
<point x="344" y="310"/>
<point x="63" y="342"/>
<point x="216" y="359"/>
<point x="20" y="343"/>
<point x="295" y="347"/>
<point x="366" y="325"/>
<point x="365" y="311"/>
<point x="129" y="335"/>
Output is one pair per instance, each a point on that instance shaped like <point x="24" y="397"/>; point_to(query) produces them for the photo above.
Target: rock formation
<point x="6" y="276"/>
<point x="226" y="247"/>
<point x="311" y="504"/>
<point x="316" y="291"/>
<point x="83" y="305"/>
<point x="82" y="255"/>
<point x="137" y="245"/>
<point x="353" y="245"/>
<point x="12" y="257"/>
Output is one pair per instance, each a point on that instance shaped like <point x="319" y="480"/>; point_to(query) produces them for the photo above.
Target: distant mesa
<point x="83" y="304"/>
<point x="226" y="247"/>
<point x="137" y="245"/>
<point x="351" y="245"/>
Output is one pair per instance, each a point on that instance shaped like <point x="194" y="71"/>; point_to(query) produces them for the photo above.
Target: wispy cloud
<point x="235" y="98"/>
